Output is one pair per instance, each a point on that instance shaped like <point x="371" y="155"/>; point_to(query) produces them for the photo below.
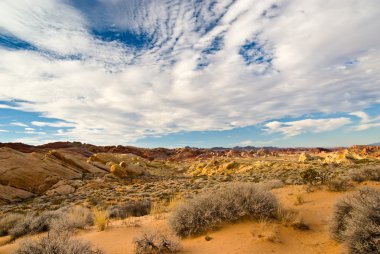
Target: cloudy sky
<point x="200" y="73"/>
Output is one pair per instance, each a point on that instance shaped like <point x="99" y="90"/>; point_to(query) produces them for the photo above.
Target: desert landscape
<point x="189" y="127"/>
<point x="122" y="199"/>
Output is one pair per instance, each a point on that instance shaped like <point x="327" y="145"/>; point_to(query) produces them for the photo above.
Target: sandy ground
<point x="240" y="238"/>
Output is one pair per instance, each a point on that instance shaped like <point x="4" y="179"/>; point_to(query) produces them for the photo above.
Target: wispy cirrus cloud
<point x="366" y="122"/>
<point x="121" y="70"/>
<point x="18" y="124"/>
<point x="52" y="124"/>
<point x="294" y="128"/>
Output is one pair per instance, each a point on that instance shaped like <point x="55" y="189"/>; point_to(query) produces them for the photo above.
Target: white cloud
<point x="114" y="93"/>
<point x="4" y="131"/>
<point x="246" y="143"/>
<point x="366" y="122"/>
<point x="52" y="124"/>
<point x="295" y="128"/>
<point x="18" y="124"/>
<point x="5" y="106"/>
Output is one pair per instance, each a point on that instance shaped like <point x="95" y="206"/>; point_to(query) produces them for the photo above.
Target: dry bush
<point x="79" y="217"/>
<point x="132" y="208"/>
<point x="273" y="184"/>
<point x="8" y="221"/>
<point x="101" y="219"/>
<point x="339" y="184"/>
<point x="356" y="221"/>
<point x="314" y="176"/>
<point x="64" y="219"/>
<point x="156" y="243"/>
<point x="56" y="243"/>
<point x="366" y="173"/>
<point x="208" y="210"/>
<point x="31" y="224"/>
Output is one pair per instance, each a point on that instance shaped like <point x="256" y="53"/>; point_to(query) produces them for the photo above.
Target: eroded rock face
<point x="61" y="190"/>
<point x="9" y="193"/>
<point x="34" y="173"/>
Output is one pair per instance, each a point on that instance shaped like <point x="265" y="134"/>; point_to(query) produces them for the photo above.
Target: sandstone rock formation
<point x="34" y="173"/>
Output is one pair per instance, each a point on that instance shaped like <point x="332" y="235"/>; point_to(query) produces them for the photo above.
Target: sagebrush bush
<point x="235" y="201"/>
<point x="273" y="184"/>
<point x="366" y="173"/>
<point x="31" y="224"/>
<point x="338" y="184"/>
<point x="56" y="243"/>
<point x="64" y="219"/>
<point x="356" y="221"/>
<point x="132" y="208"/>
<point x="8" y="221"/>
<point x="156" y="243"/>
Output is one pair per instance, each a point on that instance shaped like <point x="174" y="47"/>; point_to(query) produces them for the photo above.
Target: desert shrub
<point x="339" y="184"/>
<point x="132" y="208"/>
<point x="56" y="243"/>
<point x="366" y="173"/>
<point x="356" y="221"/>
<point x="235" y="201"/>
<point x="79" y="217"/>
<point x="8" y="221"/>
<point x="64" y="219"/>
<point x="310" y="176"/>
<point x="156" y="243"/>
<point x="101" y="219"/>
<point x="31" y="224"/>
<point x="273" y="184"/>
<point x="314" y="176"/>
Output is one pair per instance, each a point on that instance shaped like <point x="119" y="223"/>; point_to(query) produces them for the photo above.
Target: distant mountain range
<point x="375" y="144"/>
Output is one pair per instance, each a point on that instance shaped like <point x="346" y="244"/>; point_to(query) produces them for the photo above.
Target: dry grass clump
<point x="210" y="209"/>
<point x="366" y="173"/>
<point x="156" y="243"/>
<point x="339" y="184"/>
<point x="101" y="219"/>
<point x="356" y="221"/>
<point x="58" y="243"/>
<point x="158" y="208"/>
<point x="285" y="216"/>
<point x="8" y="221"/>
<point x="266" y="231"/>
<point x="299" y="199"/>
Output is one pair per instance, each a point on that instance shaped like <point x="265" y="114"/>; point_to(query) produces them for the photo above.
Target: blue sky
<point x="198" y="73"/>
